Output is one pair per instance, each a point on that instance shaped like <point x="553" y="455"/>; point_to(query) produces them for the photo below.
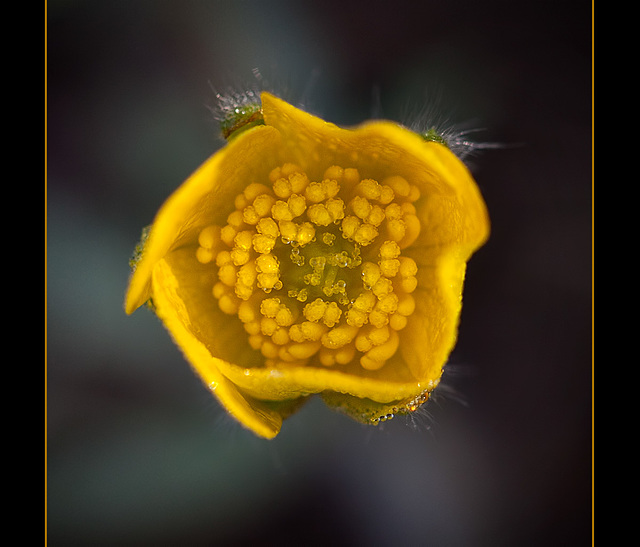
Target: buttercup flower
<point x="303" y="258"/>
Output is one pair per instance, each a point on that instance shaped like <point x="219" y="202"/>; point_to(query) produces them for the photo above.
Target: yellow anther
<point x="397" y="321"/>
<point x="240" y="202"/>
<point x="376" y="216"/>
<point x="205" y="256"/>
<point x="235" y="219"/>
<point x="406" y="305"/>
<point x="227" y="234"/>
<point x="280" y="336"/>
<point x="335" y="207"/>
<point x="268" y="326"/>
<point x="269" y="349"/>
<point x="356" y="317"/>
<point x="297" y="204"/>
<point x="349" y="226"/>
<point x="208" y="241"/>
<point x="312" y="331"/>
<point x="365" y="234"/>
<point x="365" y="301"/>
<point x="256" y="340"/>
<point x="300" y="350"/>
<point x="253" y="190"/>
<point x="228" y="303"/>
<point x="269" y="307"/>
<point x="382" y="287"/>
<point x="414" y="193"/>
<point x="370" y="337"/>
<point x="389" y="249"/>
<point x="267" y="264"/>
<point x="243" y="240"/>
<point x="368" y="188"/>
<point x="389" y="267"/>
<point x="378" y="318"/>
<point x="330" y="187"/>
<point x="334" y="172"/>
<point x="260" y="208"/>
<point x="275" y="174"/>
<point x="388" y="304"/>
<point x="281" y="211"/>
<point x="386" y="195"/>
<point x="252" y="327"/>
<point x="314" y="311"/>
<point x="227" y="274"/>
<point x="240" y="256"/>
<point x="408" y="267"/>
<point x="408" y="284"/>
<point x="350" y="177"/>
<point x="305" y="234"/>
<point x="288" y="230"/>
<point x="222" y="258"/>
<point x="396" y="229"/>
<point x="299" y="182"/>
<point x="319" y="215"/>
<point x="268" y="227"/>
<point x="389" y="264"/>
<point x="307" y="330"/>
<point x="331" y="315"/>
<point x="263" y="244"/>
<point x="284" y="317"/>
<point x="377" y="356"/>
<point x="340" y="356"/>
<point x="243" y="292"/>
<point x="247" y="312"/>
<point x="290" y="168"/>
<point x="407" y="272"/>
<point x="412" y="231"/>
<point x="327" y="357"/>
<point x="339" y="336"/>
<point x="269" y="281"/>
<point x="360" y="207"/>
<point x="398" y="184"/>
<point x="209" y="237"/>
<point x="250" y="216"/>
<point x="246" y="279"/>
<point x="370" y="274"/>
<point x="315" y="193"/>
<point x="282" y="188"/>
<point x="219" y="289"/>
<point x="393" y="211"/>
<point x="408" y="208"/>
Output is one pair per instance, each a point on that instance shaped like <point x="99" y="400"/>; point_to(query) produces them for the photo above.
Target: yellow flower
<point x="303" y="258"/>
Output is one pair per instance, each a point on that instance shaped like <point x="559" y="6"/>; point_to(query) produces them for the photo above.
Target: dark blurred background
<point x="138" y="451"/>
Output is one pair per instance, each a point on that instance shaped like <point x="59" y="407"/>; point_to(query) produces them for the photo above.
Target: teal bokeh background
<point x="139" y="453"/>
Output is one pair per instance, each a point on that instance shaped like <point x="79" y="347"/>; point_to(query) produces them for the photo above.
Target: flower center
<point x="314" y="269"/>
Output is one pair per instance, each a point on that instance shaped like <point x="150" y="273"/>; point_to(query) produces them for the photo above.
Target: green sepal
<point x="136" y="256"/>
<point x="240" y="119"/>
<point x="371" y="412"/>
<point x="432" y="135"/>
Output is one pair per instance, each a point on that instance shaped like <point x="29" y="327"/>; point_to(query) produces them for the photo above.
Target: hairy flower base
<point x="314" y="269"/>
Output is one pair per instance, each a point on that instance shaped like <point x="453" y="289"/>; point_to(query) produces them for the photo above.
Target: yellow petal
<point x="196" y="203"/>
<point x="181" y="320"/>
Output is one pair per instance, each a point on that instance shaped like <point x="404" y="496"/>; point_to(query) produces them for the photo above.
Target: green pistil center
<point x="327" y="268"/>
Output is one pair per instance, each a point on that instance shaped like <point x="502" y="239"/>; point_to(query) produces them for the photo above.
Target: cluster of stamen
<point x="314" y="269"/>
